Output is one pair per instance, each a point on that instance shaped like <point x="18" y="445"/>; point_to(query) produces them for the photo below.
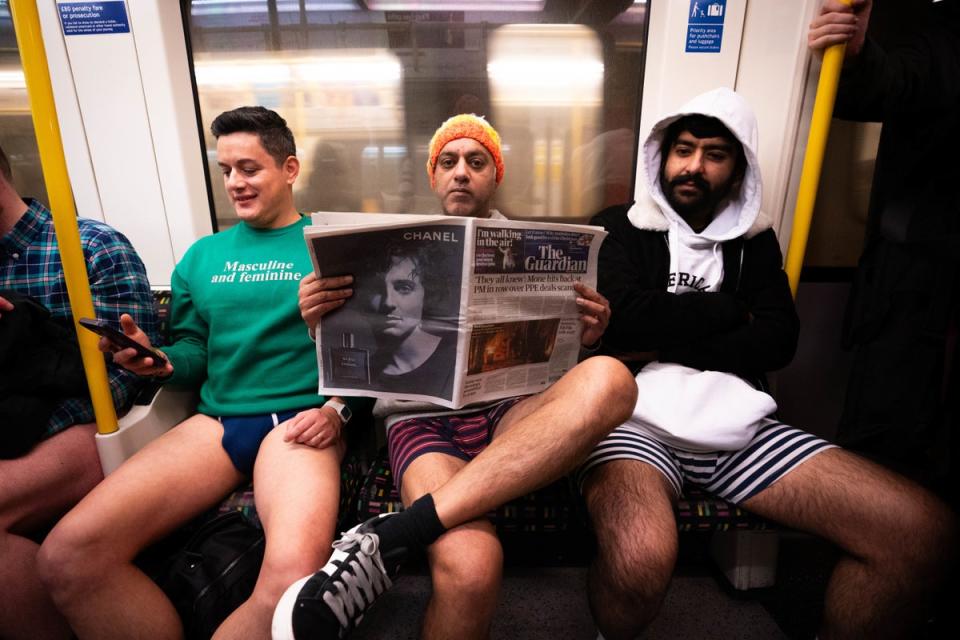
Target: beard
<point x="705" y="204"/>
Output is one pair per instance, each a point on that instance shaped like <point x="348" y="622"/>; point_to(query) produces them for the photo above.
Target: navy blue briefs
<point x="242" y="436"/>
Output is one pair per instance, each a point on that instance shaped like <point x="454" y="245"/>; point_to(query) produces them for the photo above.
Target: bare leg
<point x="297" y="494"/>
<point x="899" y="541"/>
<point x="466" y="562"/>
<point x="631" y="508"/>
<point x="87" y="560"/>
<point x="35" y="490"/>
<point x="540" y="439"/>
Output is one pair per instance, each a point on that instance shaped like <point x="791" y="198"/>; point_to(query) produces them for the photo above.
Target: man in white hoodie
<point x="693" y="273"/>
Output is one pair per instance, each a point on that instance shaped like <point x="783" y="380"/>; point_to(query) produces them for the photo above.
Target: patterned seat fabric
<point x="553" y="509"/>
<point x="698" y="510"/>
<point x="366" y="490"/>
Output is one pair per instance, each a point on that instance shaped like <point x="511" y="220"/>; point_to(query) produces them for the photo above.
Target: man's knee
<point x="467" y="564"/>
<point x="71" y="559"/>
<point x="627" y="585"/>
<point x="878" y="511"/>
<point x="933" y="530"/>
<point x="39" y="487"/>
<point x="608" y="387"/>
<point x="282" y="568"/>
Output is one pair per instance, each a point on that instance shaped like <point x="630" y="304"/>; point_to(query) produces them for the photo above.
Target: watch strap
<point x="342" y="410"/>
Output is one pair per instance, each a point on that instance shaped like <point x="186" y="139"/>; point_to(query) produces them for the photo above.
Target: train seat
<point x="551" y="525"/>
<point x="548" y="526"/>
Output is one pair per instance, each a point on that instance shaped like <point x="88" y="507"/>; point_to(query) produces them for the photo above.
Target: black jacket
<point x="40" y="364"/>
<point x="912" y="246"/>
<point x="913" y="88"/>
<point x="749" y="327"/>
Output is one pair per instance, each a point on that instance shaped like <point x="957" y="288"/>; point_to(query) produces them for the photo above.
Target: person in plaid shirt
<point x="37" y="488"/>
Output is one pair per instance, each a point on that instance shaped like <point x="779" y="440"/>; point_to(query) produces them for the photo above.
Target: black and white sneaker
<point x="331" y="602"/>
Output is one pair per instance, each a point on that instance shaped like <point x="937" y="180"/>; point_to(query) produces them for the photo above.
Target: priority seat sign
<point x="705" y="26"/>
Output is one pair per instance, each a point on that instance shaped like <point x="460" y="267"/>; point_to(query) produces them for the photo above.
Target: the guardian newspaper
<point x="450" y="310"/>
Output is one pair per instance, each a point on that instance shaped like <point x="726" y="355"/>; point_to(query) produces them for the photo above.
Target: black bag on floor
<point x="214" y="572"/>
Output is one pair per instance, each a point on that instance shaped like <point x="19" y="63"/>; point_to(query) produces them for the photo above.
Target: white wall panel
<point x="162" y="56"/>
<point x="109" y="91"/>
<point x="764" y="58"/>
<point x="673" y="76"/>
<point x="772" y="75"/>
<point x="79" y="166"/>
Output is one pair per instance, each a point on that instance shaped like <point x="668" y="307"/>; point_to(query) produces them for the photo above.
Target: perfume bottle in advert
<point x="348" y="363"/>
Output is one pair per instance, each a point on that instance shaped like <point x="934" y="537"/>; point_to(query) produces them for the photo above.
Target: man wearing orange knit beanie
<point x="453" y="467"/>
<point x="465" y="193"/>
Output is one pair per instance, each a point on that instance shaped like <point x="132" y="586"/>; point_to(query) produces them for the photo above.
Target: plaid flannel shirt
<point x="30" y="264"/>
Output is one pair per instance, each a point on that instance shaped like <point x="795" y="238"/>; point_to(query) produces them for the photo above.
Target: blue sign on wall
<point x="705" y="26"/>
<point x="85" y="18"/>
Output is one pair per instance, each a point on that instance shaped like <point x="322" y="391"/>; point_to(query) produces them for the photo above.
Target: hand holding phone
<point x="121" y="340"/>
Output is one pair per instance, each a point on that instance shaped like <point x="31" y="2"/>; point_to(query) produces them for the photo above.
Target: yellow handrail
<point x="26" y="22"/>
<point x="813" y="160"/>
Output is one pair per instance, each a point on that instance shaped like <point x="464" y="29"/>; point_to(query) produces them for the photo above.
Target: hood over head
<point x="738" y="214"/>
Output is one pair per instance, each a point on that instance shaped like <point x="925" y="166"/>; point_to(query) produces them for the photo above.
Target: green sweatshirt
<point x="235" y="325"/>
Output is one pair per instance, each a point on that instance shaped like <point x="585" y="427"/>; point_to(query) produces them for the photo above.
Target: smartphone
<point x="121" y="339"/>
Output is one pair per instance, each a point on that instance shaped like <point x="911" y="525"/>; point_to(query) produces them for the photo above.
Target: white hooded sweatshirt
<point x="683" y="407"/>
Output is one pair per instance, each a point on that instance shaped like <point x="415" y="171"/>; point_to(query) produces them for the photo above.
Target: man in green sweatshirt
<point x="237" y="334"/>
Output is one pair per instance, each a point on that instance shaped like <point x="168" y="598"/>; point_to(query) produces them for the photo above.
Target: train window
<point x="363" y="85"/>
<point x="16" y="124"/>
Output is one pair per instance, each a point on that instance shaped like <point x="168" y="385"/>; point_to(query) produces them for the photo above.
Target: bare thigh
<point x="171" y="480"/>
<point x="846" y="499"/>
<point x="297" y="494"/>
<point x="39" y="487"/>
<point x="631" y="507"/>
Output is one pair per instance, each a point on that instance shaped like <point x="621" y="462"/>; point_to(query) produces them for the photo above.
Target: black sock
<point x="417" y="526"/>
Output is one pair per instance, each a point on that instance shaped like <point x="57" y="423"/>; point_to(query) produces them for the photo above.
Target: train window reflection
<point x="546" y="84"/>
<point x="364" y="85"/>
<point x="16" y="123"/>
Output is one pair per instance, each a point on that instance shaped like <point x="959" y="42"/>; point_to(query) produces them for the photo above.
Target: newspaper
<point x="450" y="310"/>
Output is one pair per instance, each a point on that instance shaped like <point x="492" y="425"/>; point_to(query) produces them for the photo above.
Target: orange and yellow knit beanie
<point x="465" y="125"/>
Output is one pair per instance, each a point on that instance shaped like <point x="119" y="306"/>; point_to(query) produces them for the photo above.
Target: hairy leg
<point x="540" y="439"/>
<point x="297" y="495"/>
<point x="35" y="490"/>
<point x="466" y="563"/>
<point x="87" y="560"/>
<point x="631" y="508"/>
<point x="899" y="541"/>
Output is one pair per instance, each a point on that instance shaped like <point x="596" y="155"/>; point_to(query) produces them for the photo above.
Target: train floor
<point x="549" y="602"/>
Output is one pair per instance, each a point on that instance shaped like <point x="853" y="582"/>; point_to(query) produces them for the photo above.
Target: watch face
<point x="346" y="414"/>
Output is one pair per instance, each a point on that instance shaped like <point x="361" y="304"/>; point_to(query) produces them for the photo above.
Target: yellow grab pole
<point x="813" y="161"/>
<point x="26" y="22"/>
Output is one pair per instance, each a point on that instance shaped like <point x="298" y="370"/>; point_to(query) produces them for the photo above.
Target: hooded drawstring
<point x="701" y="259"/>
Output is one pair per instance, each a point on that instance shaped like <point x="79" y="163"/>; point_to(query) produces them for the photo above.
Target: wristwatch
<point x="342" y="410"/>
